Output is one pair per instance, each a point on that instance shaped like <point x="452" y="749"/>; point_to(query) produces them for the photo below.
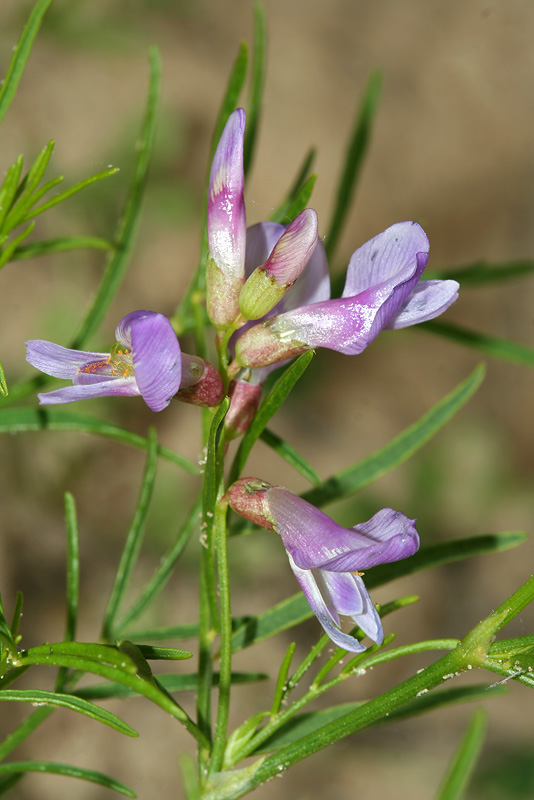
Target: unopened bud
<point x="248" y="497"/>
<point x="245" y="399"/>
<point x="201" y="383"/>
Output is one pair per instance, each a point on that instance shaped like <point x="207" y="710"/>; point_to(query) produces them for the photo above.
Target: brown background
<point x="452" y="148"/>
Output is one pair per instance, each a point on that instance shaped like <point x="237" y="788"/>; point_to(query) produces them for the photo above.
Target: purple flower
<point x="226" y="224"/>
<point x="326" y="558"/>
<point x="146" y="360"/>
<point x="382" y="290"/>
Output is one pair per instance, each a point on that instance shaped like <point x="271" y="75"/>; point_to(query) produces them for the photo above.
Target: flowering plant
<point x="261" y="300"/>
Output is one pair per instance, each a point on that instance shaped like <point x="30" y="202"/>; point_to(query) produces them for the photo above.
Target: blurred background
<point x="451" y="148"/>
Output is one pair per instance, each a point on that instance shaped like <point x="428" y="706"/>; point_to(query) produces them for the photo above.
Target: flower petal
<point x="58" y="361"/>
<point x="309" y="586"/>
<point x="389" y="254"/>
<point x="125" y="387"/>
<point x="226" y="220"/>
<point x="427" y="300"/>
<point x="156" y="356"/>
<point x="350" y="598"/>
<point x="316" y="541"/>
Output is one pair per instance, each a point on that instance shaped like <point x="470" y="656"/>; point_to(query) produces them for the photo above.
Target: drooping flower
<point x="146" y="360"/>
<point x="382" y="290"/>
<point x="226" y="224"/>
<point x="326" y="558"/>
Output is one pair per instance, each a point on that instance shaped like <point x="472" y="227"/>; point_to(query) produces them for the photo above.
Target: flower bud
<point x="248" y="497"/>
<point x="201" y="384"/>
<point x="270" y="282"/>
<point x="226" y="224"/>
<point x="245" y="399"/>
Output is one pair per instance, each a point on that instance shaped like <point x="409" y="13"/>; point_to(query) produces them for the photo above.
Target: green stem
<point x="225" y="678"/>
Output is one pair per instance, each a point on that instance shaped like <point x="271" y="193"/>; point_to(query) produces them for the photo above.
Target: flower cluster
<point x="268" y="297"/>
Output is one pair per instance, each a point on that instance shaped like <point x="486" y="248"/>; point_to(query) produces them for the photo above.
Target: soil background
<point x="451" y="148"/>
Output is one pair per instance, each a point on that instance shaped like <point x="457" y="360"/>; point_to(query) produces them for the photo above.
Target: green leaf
<point x="128" y="223"/>
<point x="20" y="55"/>
<point x="489" y="345"/>
<point x="3" y="385"/>
<point x="290" y="455"/>
<point x="101" y="654"/>
<point x="17" y="614"/>
<point x="133" y="541"/>
<point x="444" y="553"/>
<point x="27" y="187"/>
<point x="301" y="200"/>
<point x="354" y="478"/>
<point x="465" y="758"/>
<point x="38" y="697"/>
<point x="267" y="409"/>
<point x="59" y="198"/>
<point x="9" y="249"/>
<point x="295" y="609"/>
<point x="350" y="171"/>
<point x="162" y="574"/>
<point x="152" y="653"/>
<point x="281" y="213"/>
<point x="60" y="245"/>
<point x="9" y="189"/>
<point x="256" y="86"/>
<point x="17" y="420"/>
<point x="73" y="567"/>
<point x="484" y="273"/>
<point x="283" y="615"/>
<point x="9" y="781"/>
<point x="171" y="683"/>
<point x="66" y="769"/>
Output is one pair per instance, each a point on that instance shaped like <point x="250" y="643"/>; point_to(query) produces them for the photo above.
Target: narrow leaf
<point x="354" y="478"/>
<point x="152" y="653"/>
<point x="350" y="171"/>
<point x="38" y="697"/>
<point x="290" y="455"/>
<point x="66" y="769"/>
<point x="133" y="542"/>
<point x="256" y="86"/>
<point x="51" y="419"/>
<point x="10" y="248"/>
<point x="59" y="198"/>
<point x="20" y="55"/>
<point x="73" y="567"/>
<point x="164" y="571"/>
<point x="60" y="245"/>
<point x="17" y="614"/>
<point x="9" y="189"/>
<point x="171" y="683"/>
<point x="483" y="273"/>
<point x="465" y="758"/>
<point x="489" y="345"/>
<point x="281" y="213"/>
<point x="128" y="223"/>
<point x="282" y="679"/>
<point x="99" y="653"/>
<point x="4" y="391"/>
<point x="444" y="553"/>
<point x="267" y="409"/>
<point x="28" y="185"/>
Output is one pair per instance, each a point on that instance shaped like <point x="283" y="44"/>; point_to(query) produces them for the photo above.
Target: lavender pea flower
<point x="226" y="224"/>
<point x="326" y="558"/>
<point x="382" y="290"/>
<point x="145" y="360"/>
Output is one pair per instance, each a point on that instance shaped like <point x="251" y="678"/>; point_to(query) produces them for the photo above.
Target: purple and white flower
<point x="382" y="290"/>
<point x="326" y="558"/>
<point x="226" y="224"/>
<point x="145" y="360"/>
